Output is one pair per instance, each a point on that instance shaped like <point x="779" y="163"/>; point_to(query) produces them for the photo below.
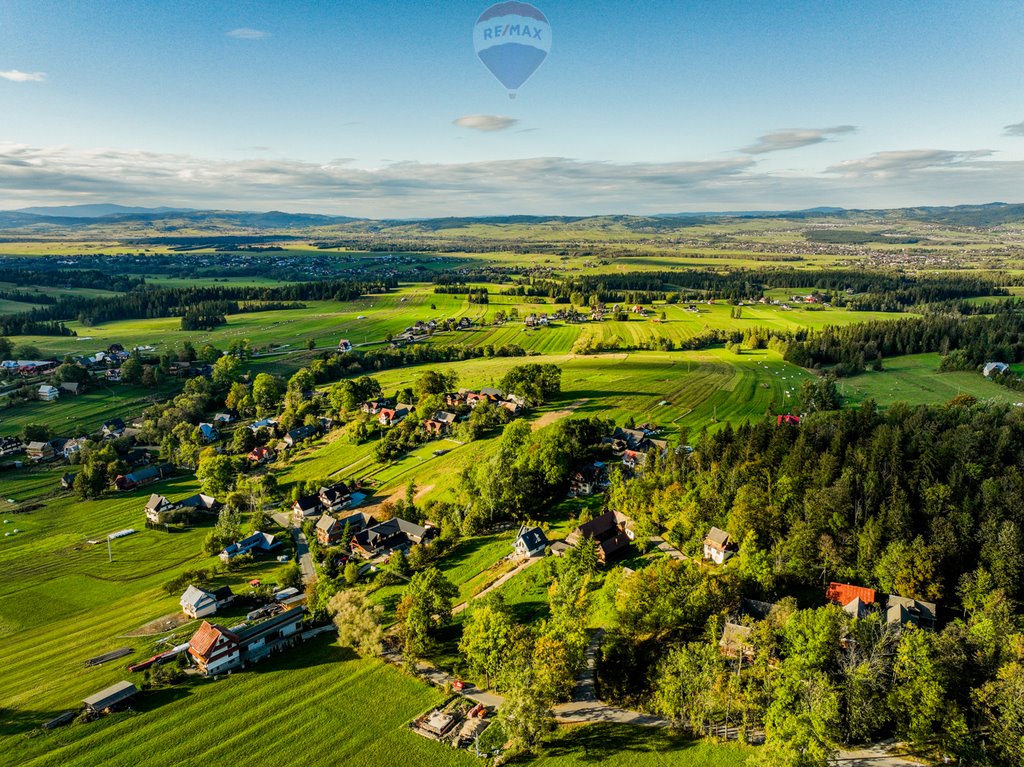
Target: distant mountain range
<point x="97" y="211"/>
<point x="167" y="220"/>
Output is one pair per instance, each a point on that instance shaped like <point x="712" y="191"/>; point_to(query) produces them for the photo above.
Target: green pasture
<point x="72" y="415"/>
<point x="916" y="379"/>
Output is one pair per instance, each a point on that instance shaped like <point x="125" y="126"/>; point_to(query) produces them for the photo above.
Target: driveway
<point x="665" y="547"/>
<point x="302" y="555"/>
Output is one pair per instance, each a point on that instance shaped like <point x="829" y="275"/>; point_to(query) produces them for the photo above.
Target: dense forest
<point x="863" y="290"/>
<point x="922" y="502"/>
<point x="999" y="337"/>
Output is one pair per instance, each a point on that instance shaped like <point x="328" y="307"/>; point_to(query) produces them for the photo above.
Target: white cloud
<point x="794" y="138"/>
<point x="885" y="165"/>
<point x="32" y="175"/>
<point x="17" y="76"/>
<point x="1017" y="129"/>
<point x="248" y="33"/>
<point x="486" y="123"/>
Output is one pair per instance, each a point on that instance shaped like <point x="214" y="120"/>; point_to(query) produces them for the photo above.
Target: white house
<point x="718" y="546"/>
<point x="198" y="603"/>
<point x="48" y="393"/>
<point x="530" y="542"/>
<point x="994" y="369"/>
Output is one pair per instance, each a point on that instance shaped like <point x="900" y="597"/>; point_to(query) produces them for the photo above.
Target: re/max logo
<point x="512" y="30"/>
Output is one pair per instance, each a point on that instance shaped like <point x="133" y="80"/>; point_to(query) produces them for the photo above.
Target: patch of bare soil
<point x="549" y="418"/>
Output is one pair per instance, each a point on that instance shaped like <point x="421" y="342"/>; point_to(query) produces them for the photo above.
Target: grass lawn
<point x="628" y="746"/>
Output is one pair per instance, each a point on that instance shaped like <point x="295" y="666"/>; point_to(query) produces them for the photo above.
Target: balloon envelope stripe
<point x="512" y="9"/>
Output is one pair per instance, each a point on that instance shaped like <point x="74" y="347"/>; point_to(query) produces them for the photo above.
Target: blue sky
<point x="378" y="108"/>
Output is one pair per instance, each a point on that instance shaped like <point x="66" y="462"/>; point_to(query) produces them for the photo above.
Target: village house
<point x="222" y="418"/>
<point x="330" y="530"/>
<point x="306" y="507"/>
<point x="344" y="345"/>
<point x="441" y="423"/>
<point x="10" y="446"/>
<point x="904" y="611"/>
<point x="465" y="323"/>
<point x="113" y="429"/>
<point x="858" y="601"/>
<point x="113" y="375"/>
<point x="216" y="650"/>
<point x="374" y="406"/>
<point x="72" y="387"/>
<point x="392" y="535"/>
<point x="611" y="531"/>
<point x="260" y="455"/>
<point x="198" y="603"/>
<point x="143" y="476"/>
<point x="67" y="481"/>
<point x="265" y="423"/>
<point x="589" y="480"/>
<point x="530" y="542"/>
<point x="333" y="497"/>
<point x="208" y="433"/>
<point x="735" y="641"/>
<point x="48" y="393"/>
<point x="994" y="369"/>
<point x="40" y="451"/>
<point x="718" y="546"/>
<point x="295" y="436"/>
<point x="257" y="543"/>
<point x="159" y="509"/>
<point x="791" y="420"/>
<point x="389" y="416"/>
<point x="455" y="399"/>
<point x="74" y="446"/>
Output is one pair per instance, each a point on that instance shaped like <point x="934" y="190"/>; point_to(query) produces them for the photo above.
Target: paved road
<point x="305" y="559"/>
<point x="874" y="756"/>
<point x="498" y="583"/>
<point x="585" y="708"/>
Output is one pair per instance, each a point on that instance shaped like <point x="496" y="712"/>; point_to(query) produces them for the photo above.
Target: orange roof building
<point x="844" y="593"/>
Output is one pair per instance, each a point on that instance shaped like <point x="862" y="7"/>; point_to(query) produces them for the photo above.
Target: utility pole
<point x="110" y="551"/>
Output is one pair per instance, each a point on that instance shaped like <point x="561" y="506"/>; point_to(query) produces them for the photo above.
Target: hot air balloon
<point x="512" y="39"/>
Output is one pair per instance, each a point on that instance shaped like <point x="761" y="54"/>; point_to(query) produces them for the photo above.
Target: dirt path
<point x="395" y="496"/>
<point x="549" y="418"/>
<point x="161" y="625"/>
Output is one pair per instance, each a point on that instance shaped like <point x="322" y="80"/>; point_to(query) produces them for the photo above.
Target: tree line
<point x="149" y="302"/>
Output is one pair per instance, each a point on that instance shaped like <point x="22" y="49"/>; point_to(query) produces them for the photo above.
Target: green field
<point x="915" y="379"/>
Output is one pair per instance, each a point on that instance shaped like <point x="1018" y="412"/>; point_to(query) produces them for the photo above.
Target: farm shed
<point x="110" y="697"/>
